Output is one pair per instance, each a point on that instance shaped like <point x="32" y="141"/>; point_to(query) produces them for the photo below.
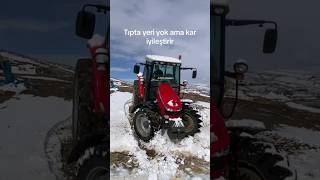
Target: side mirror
<point x="270" y="41"/>
<point x="85" y="24"/>
<point x="194" y="74"/>
<point x="136" y="69"/>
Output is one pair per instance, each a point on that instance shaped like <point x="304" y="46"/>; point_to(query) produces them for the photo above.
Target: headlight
<point x="240" y="67"/>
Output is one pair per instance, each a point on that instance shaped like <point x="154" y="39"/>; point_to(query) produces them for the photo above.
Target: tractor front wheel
<point x="259" y="160"/>
<point x="93" y="164"/>
<point x="191" y="121"/>
<point x="81" y="98"/>
<point x="142" y="125"/>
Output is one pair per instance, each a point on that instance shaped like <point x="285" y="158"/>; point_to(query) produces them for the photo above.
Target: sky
<point x="164" y="14"/>
<point x="43" y="29"/>
<point x="298" y="35"/>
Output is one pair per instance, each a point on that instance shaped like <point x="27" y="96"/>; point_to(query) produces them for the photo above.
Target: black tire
<point x="257" y="161"/>
<point x="191" y="121"/>
<point x="81" y="99"/>
<point x="135" y="100"/>
<point x="142" y="125"/>
<point x="135" y="97"/>
<point x="92" y="165"/>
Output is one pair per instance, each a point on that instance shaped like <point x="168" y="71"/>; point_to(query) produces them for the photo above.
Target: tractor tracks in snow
<point x="53" y="147"/>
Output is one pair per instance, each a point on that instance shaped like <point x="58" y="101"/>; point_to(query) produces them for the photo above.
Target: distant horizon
<point x="306" y="70"/>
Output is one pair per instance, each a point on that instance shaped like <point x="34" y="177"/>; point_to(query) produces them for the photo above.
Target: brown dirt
<point x="6" y="95"/>
<point x="273" y="113"/>
<point x="123" y="159"/>
<point x="194" y="165"/>
<point x="44" y="88"/>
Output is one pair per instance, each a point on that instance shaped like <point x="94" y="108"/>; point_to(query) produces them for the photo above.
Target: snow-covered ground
<point x="169" y="158"/>
<point x="25" y="121"/>
<point x="305" y="159"/>
<point x="302" y="146"/>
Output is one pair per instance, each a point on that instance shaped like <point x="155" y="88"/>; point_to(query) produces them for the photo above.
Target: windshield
<point x="166" y="73"/>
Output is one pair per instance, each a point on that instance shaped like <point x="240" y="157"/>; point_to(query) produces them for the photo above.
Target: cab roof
<point x="152" y="58"/>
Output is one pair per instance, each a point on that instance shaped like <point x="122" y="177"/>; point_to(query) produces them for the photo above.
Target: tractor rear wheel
<point x="142" y="125"/>
<point x="81" y="99"/>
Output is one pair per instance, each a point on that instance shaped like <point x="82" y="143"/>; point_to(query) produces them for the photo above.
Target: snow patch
<point x="303" y="107"/>
<point x="302" y="134"/>
<point x="24" y="125"/>
<point x="17" y="88"/>
<point x="245" y="123"/>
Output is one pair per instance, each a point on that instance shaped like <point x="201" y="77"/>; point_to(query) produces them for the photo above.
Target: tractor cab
<point x="160" y="70"/>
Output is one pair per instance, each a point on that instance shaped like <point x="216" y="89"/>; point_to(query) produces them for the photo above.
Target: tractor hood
<point x="168" y="98"/>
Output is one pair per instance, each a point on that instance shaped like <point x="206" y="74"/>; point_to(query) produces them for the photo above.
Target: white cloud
<point x="119" y="69"/>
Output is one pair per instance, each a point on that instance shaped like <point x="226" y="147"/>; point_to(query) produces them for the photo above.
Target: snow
<point x="25" y="121"/>
<point x="245" y="123"/>
<point x="96" y="40"/>
<point x="186" y="101"/>
<point x="282" y="86"/>
<point x="24" y="69"/>
<point x="162" y="58"/>
<point x="271" y="95"/>
<point x="164" y="165"/>
<point x="306" y="164"/>
<point x="301" y="134"/>
<point x="44" y="78"/>
<point x="17" y="88"/>
<point x="120" y="128"/>
<point x="303" y="107"/>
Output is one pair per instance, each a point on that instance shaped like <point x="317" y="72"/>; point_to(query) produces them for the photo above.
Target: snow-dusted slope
<point x="23" y="65"/>
<point x="284" y="86"/>
<point x="170" y="159"/>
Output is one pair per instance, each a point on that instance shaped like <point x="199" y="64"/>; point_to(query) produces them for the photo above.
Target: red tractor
<point x="91" y="101"/>
<point x="156" y="102"/>
<point x="238" y="152"/>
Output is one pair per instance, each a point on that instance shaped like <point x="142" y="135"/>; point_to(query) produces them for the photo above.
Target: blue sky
<point x="171" y="15"/>
<point x="43" y="29"/>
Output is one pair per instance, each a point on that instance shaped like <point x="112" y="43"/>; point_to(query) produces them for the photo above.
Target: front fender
<point x="86" y="142"/>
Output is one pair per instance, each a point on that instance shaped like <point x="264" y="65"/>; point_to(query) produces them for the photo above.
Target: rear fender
<point x="86" y="142"/>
